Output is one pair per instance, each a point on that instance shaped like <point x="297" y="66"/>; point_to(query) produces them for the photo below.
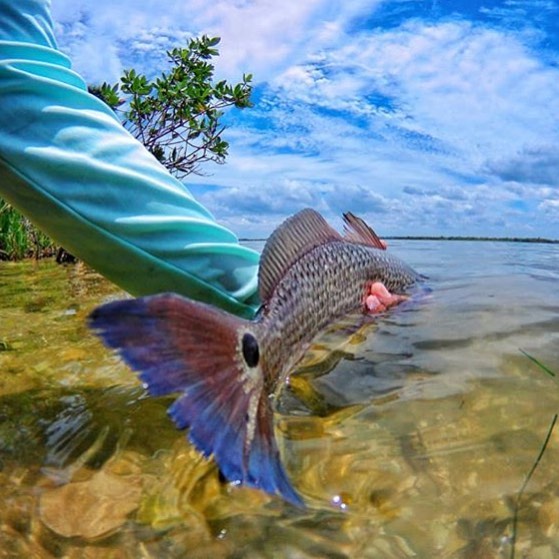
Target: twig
<point x="524" y="485"/>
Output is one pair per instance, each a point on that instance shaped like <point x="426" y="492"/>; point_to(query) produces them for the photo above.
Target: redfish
<point x="227" y="369"/>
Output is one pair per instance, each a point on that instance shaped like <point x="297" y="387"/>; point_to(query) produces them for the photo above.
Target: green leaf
<point x="177" y="114"/>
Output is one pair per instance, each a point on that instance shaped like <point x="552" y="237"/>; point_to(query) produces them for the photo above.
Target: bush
<point x="177" y="115"/>
<point x="19" y="238"/>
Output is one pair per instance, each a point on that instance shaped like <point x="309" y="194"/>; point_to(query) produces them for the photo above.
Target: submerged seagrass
<point x="227" y="368"/>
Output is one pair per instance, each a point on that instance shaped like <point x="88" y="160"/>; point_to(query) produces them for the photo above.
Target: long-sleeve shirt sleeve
<point x="68" y="164"/>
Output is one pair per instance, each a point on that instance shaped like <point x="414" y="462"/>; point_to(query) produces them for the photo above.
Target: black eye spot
<point x="251" y="352"/>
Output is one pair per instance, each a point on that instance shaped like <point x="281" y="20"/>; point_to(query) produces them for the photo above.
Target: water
<point x="410" y="437"/>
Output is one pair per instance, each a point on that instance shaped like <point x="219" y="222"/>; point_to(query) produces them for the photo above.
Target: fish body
<point x="327" y="283"/>
<point x="226" y="368"/>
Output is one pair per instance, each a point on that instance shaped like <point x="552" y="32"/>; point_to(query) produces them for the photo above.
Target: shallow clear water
<point x="410" y="437"/>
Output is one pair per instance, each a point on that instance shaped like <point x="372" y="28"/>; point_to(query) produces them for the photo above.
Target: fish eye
<point x="251" y="351"/>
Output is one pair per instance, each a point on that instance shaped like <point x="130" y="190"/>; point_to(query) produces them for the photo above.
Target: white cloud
<point x="258" y="36"/>
<point x="532" y="164"/>
<point x="550" y="208"/>
<point x="479" y="89"/>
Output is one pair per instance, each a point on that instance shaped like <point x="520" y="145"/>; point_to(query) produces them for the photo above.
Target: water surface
<point x="408" y="437"/>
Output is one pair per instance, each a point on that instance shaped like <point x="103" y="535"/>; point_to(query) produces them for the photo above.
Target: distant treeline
<point x="458" y="238"/>
<point x="454" y="238"/>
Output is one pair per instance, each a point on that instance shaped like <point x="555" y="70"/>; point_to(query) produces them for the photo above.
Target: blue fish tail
<point x="179" y="345"/>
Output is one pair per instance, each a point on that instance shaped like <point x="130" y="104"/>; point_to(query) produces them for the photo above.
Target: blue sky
<point x="437" y="117"/>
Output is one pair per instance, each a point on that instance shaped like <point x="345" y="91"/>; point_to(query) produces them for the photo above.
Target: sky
<point x="423" y="117"/>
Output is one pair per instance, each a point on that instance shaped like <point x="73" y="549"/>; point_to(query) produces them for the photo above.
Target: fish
<point x="228" y="370"/>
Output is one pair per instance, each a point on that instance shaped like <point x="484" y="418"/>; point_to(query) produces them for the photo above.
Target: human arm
<point x="68" y="164"/>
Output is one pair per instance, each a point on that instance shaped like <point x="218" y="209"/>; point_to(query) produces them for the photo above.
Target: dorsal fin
<point x="297" y="235"/>
<point x="357" y="231"/>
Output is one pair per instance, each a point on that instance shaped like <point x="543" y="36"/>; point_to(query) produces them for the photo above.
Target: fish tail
<point x="212" y="359"/>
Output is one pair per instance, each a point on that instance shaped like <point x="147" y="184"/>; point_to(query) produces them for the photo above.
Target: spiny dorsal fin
<point x="357" y="231"/>
<point x="297" y="235"/>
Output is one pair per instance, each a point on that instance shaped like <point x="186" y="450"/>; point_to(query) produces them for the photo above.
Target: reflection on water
<point x="409" y="436"/>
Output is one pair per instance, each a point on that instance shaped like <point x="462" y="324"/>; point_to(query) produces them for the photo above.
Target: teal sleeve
<point x="68" y="164"/>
